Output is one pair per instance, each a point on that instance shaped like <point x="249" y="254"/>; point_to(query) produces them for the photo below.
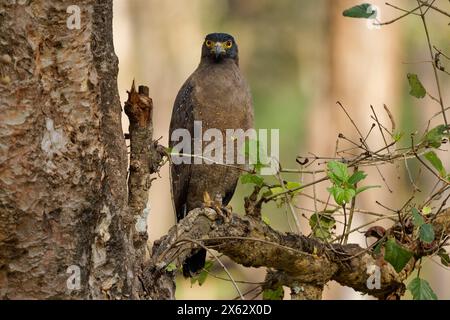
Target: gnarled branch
<point x="301" y="262"/>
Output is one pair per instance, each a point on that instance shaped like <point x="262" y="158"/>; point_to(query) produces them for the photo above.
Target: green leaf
<point x="342" y="196"/>
<point x="326" y="221"/>
<point x="322" y="234"/>
<point x="349" y="194"/>
<point x="293" y="186"/>
<point x="396" y="254"/>
<point x="267" y="194"/>
<point x="398" y="136"/>
<point x="417" y="218"/>
<point x="445" y="258"/>
<point x="364" y="11"/>
<point x="201" y="277"/>
<point x="337" y="193"/>
<point x="208" y="265"/>
<point x="252" y="179"/>
<point x="426" y="233"/>
<point x="433" y="158"/>
<point x="277" y="294"/>
<point x="337" y="172"/>
<point x="276" y="190"/>
<point x="171" y="267"/>
<point x="266" y="220"/>
<point x="377" y="249"/>
<point x="322" y="225"/>
<point x="362" y="189"/>
<point x="357" y="177"/>
<point x="421" y="290"/>
<point x="417" y="88"/>
<point x="426" y="211"/>
<point x="435" y="136"/>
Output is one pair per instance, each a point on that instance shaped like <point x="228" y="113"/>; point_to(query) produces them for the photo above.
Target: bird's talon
<point x="228" y="212"/>
<point x="225" y="213"/>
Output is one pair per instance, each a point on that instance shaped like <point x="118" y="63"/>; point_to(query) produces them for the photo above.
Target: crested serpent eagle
<point x="217" y="95"/>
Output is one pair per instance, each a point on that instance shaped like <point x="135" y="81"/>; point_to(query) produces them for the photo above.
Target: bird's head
<point x="219" y="46"/>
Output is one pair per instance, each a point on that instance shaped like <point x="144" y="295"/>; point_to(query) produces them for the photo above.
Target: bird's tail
<point x="194" y="264"/>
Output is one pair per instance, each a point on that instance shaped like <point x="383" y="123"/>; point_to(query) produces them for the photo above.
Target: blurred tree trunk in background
<point x="359" y="60"/>
<point x="158" y="42"/>
<point x="64" y="225"/>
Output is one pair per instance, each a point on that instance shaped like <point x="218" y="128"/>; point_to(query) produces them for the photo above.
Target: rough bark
<point x="63" y="196"/>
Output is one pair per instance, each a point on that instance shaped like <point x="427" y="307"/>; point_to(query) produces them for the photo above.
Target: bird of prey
<point x="218" y="95"/>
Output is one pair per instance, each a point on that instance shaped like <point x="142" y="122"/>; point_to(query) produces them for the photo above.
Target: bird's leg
<point x="222" y="210"/>
<point x="228" y="211"/>
<point x="217" y="206"/>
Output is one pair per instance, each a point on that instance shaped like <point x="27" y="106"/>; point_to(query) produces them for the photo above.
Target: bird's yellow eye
<point x="208" y="43"/>
<point x="228" y="44"/>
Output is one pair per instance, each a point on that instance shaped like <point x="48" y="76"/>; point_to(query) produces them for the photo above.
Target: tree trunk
<point x="63" y="160"/>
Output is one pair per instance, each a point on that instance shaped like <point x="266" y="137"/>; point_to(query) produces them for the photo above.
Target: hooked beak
<point x="218" y="50"/>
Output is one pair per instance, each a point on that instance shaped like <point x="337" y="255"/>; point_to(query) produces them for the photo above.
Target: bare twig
<point x="398" y="18"/>
<point x="435" y="70"/>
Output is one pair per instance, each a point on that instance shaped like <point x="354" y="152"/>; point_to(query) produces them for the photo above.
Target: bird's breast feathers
<point x="221" y="97"/>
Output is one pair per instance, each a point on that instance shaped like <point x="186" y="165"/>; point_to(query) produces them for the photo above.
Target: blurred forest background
<point x="299" y="58"/>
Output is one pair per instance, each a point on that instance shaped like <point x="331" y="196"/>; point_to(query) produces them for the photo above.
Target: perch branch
<point x="302" y="260"/>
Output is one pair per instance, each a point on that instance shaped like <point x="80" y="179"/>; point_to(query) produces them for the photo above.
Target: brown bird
<point x="216" y="94"/>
